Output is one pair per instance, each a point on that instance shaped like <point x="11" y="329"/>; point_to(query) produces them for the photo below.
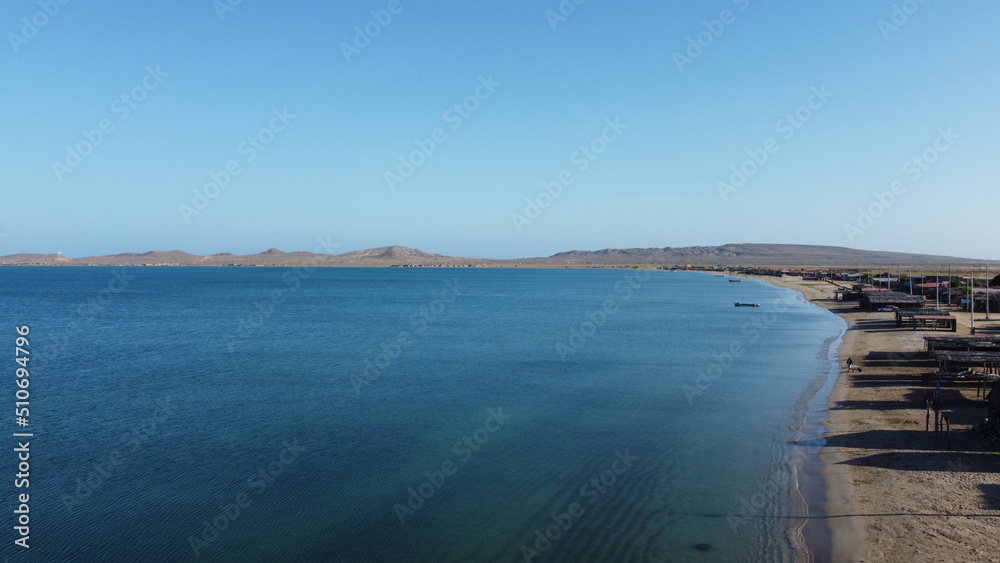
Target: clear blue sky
<point x="919" y="83"/>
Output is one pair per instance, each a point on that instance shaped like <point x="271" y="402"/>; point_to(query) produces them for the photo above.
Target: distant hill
<point x="726" y="255"/>
<point x="755" y="255"/>
<point x="178" y="256"/>
<point x="392" y="254"/>
<point x="34" y="258"/>
<point x="382" y="256"/>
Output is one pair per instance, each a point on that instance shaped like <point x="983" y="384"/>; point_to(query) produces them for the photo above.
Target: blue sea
<point x="407" y="414"/>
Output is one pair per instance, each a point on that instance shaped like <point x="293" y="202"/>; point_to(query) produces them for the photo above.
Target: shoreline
<point x="825" y="538"/>
<point x="813" y="537"/>
<point x="894" y="492"/>
<point x="815" y="492"/>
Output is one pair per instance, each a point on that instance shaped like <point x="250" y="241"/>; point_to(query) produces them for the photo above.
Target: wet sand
<point x="895" y="492"/>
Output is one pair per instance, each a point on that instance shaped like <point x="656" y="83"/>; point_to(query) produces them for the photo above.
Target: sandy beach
<point x="895" y="492"/>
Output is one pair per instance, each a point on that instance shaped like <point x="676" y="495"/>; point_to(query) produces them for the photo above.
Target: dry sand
<point x="894" y="491"/>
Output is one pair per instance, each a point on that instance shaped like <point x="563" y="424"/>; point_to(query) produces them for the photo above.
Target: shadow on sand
<point x="979" y="462"/>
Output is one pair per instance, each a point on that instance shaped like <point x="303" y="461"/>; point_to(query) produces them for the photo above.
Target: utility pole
<point x="950" y="290"/>
<point x="972" y="314"/>
<point x="972" y="301"/>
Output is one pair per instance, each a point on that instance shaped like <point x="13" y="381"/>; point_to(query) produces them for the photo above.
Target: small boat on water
<point x="736" y="281"/>
<point x="747" y="304"/>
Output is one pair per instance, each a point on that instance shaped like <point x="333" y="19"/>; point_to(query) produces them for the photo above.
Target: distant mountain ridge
<point x="750" y="254"/>
<point x="392" y="253"/>
<point x="746" y="254"/>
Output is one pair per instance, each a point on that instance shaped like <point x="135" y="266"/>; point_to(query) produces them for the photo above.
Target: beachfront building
<point x="846" y="276"/>
<point x="928" y="288"/>
<point x="885" y="280"/>
<point x="965" y="357"/>
<point x="982" y="297"/>
<point x="934" y="319"/>
<point x="872" y="298"/>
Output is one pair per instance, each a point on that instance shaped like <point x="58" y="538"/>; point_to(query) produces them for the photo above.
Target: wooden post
<point x="947" y="422"/>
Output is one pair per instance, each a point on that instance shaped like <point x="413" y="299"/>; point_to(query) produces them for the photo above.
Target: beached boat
<point x="747" y="304"/>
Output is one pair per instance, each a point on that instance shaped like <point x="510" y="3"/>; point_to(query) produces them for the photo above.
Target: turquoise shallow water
<point x="265" y="414"/>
